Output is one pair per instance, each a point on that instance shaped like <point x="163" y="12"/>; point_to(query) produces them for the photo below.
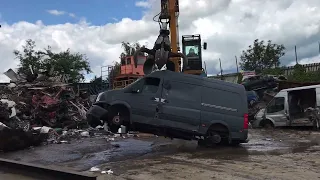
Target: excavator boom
<point x="189" y="42"/>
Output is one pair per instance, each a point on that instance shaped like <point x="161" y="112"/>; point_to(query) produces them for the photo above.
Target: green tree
<point x="98" y="81"/>
<point x="300" y="74"/>
<point x="260" y="56"/>
<point x="129" y="49"/>
<point x="240" y="77"/>
<point x="29" y="58"/>
<point x="66" y="62"/>
<point x="116" y="69"/>
<point x="61" y="63"/>
<point x="274" y="71"/>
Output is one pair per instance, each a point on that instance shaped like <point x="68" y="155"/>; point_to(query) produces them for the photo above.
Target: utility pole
<point x="205" y="67"/>
<point x="318" y="44"/>
<point x="295" y="51"/>
<point x="237" y="64"/>
<point x="220" y="69"/>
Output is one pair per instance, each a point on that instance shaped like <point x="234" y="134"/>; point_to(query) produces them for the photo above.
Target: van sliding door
<point x="180" y="106"/>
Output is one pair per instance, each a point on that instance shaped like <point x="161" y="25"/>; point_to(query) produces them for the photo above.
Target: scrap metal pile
<point x="29" y="104"/>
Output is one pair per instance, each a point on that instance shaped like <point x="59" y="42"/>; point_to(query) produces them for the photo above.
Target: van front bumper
<point x="95" y="114"/>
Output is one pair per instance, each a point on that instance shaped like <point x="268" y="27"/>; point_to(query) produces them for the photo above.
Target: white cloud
<point x="143" y="4"/>
<point x="315" y="59"/>
<point x="228" y="27"/>
<point x="56" y="12"/>
<point x="72" y="15"/>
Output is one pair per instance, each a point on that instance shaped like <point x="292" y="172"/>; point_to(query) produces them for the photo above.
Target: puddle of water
<point x="127" y="148"/>
<point x="130" y="148"/>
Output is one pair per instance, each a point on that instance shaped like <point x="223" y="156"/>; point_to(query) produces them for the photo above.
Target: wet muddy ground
<point x="274" y="154"/>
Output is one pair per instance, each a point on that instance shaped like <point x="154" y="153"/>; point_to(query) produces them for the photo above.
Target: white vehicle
<point x="288" y="108"/>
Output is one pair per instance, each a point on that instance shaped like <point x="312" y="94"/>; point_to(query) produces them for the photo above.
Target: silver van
<point x="288" y="108"/>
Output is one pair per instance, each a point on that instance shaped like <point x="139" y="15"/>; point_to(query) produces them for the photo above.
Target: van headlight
<point x="99" y="97"/>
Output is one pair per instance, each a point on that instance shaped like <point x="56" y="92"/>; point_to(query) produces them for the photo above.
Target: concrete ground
<point x="274" y="154"/>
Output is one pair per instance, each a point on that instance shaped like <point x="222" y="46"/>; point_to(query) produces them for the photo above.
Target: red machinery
<point x="126" y="73"/>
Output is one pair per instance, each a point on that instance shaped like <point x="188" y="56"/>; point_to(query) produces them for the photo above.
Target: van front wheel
<point x="117" y="115"/>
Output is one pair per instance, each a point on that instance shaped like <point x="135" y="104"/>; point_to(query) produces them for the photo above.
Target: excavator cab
<point x="192" y="48"/>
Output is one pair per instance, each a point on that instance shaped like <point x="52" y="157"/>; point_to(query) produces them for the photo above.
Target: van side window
<point x="151" y="85"/>
<point x="276" y="105"/>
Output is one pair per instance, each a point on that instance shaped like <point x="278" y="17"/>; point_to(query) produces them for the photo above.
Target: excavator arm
<point x="173" y="11"/>
<point x="165" y="53"/>
<point x="170" y="10"/>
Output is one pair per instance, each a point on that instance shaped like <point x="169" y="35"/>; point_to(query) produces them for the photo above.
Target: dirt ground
<point x="274" y="154"/>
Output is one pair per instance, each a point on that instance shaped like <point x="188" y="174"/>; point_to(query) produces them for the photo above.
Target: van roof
<point x="300" y="88"/>
<point x="203" y="79"/>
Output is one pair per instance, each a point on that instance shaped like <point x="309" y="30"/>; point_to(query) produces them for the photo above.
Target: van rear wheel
<point x="212" y="139"/>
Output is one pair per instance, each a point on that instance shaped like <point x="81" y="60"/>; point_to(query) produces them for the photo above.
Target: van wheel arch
<point x="218" y="132"/>
<point x="219" y="127"/>
<point x="118" y="114"/>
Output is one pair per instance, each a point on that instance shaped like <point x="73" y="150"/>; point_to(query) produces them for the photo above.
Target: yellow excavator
<point x="166" y="54"/>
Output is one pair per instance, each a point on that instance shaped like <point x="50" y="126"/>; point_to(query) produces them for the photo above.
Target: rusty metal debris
<point x="28" y="105"/>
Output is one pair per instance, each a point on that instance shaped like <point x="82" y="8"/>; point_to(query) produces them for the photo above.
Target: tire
<point x="114" y="122"/>
<point x="212" y="139"/>
<point x="92" y="121"/>
<point x="116" y="118"/>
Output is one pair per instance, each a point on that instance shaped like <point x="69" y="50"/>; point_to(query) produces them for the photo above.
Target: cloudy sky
<point x="97" y="27"/>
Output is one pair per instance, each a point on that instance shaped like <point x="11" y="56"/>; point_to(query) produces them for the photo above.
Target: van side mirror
<point x="205" y="45"/>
